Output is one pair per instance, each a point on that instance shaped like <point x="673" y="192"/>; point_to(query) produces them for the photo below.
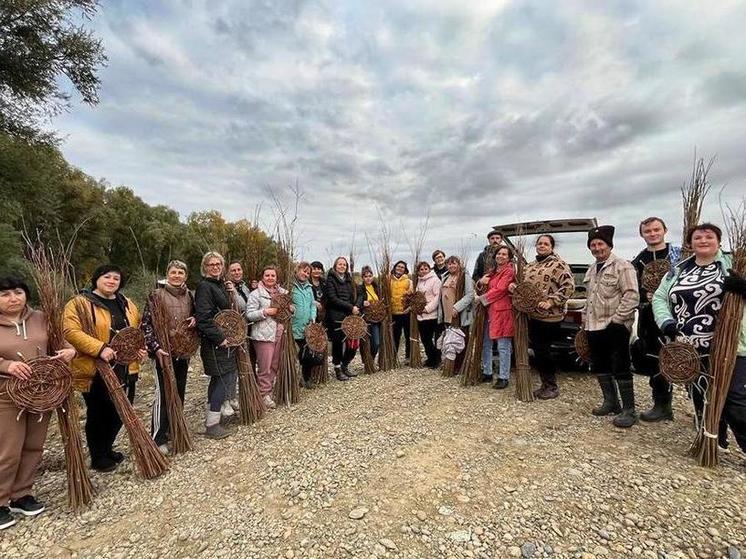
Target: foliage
<point x="42" y="41"/>
<point x="40" y="192"/>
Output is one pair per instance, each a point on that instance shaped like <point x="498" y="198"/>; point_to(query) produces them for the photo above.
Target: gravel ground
<point x="409" y="465"/>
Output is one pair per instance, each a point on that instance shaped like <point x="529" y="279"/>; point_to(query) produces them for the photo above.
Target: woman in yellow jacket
<point x="400" y="286"/>
<point x="110" y="311"/>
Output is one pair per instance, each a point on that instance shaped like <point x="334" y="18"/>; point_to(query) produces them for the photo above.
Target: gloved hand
<point x="670" y="330"/>
<point x="734" y="283"/>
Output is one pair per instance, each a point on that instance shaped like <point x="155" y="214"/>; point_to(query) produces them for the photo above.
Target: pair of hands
<point x="272" y="311"/>
<point x="22" y="370"/>
<point x="108" y="354"/>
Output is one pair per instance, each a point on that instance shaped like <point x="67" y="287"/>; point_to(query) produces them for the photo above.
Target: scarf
<point x="271" y="290"/>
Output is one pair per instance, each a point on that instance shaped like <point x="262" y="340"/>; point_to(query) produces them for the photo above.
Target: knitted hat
<point x="105" y="269"/>
<point x="603" y="232"/>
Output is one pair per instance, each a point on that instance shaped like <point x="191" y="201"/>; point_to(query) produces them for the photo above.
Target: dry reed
<point x="523" y="389"/>
<point x="693" y="196"/>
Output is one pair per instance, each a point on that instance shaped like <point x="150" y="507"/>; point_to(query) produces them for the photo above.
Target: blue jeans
<point x="504" y="352"/>
<point x="374" y="330"/>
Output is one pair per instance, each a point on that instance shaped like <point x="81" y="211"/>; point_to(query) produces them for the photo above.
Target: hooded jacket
<point x="429" y="284"/>
<point x="305" y="307"/>
<point x="263" y="328"/>
<point x="90" y="347"/>
<point x="339" y="298"/>
<point x="28" y="337"/>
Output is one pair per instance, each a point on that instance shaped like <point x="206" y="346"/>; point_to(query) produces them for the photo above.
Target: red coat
<point x="500" y="309"/>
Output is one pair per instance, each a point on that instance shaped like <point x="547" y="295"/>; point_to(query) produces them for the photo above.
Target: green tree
<point x="42" y="41"/>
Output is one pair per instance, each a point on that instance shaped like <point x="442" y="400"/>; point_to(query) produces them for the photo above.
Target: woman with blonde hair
<point x="341" y="301"/>
<point x="218" y="359"/>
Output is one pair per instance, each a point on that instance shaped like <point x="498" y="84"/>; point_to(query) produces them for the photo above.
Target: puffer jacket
<point x="429" y="284"/>
<point x="88" y="347"/>
<point x="305" y="307"/>
<point x="340" y="296"/>
<point x="399" y="287"/>
<point x="263" y="328"/>
<point x="209" y="299"/>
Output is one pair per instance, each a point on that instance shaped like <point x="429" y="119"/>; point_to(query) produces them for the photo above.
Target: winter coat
<point x="463" y="305"/>
<point x="554" y="278"/>
<point x="339" y="298"/>
<point x="611" y="294"/>
<point x="89" y="347"/>
<point x="305" y="308"/>
<point x="499" y="304"/>
<point x="429" y="284"/>
<point x="399" y="287"/>
<point x="209" y="299"/>
<point x="662" y="304"/>
<point x="263" y="328"/>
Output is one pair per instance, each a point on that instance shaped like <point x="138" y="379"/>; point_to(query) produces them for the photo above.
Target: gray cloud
<point x="473" y="112"/>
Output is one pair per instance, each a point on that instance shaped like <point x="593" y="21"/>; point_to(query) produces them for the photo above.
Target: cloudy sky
<point x="478" y="112"/>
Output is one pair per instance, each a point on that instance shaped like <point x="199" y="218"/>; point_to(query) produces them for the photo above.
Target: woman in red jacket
<point x="499" y="315"/>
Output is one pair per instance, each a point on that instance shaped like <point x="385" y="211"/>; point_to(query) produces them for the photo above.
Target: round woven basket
<point x="375" y="312"/>
<point x="127" y="344"/>
<point x="679" y="362"/>
<point x="233" y="326"/>
<point x="415" y="301"/>
<point x="316" y="337"/>
<point x="354" y="327"/>
<point x="184" y="340"/>
<point x="45" y="390"/>
<point x="282" y="302"/>
<point x="653" y="273"/>
<point x="581" y="346"/>
<point x="526" y="296"/>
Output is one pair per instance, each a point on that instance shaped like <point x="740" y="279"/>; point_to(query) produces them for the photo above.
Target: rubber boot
<point x="213" y="428"/>
<point x="628" y="417"/>
<point x="662" y="396"/>
<point x="610" y="405"/>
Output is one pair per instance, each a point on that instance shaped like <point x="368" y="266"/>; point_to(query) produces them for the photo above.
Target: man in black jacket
<point x="495" y="239"/>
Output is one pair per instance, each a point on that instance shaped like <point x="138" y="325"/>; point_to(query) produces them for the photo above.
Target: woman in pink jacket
<point x="428" y="283"/>
<point x="499" y="315"/>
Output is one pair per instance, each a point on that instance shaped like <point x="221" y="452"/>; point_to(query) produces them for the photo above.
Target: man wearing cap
<point x="611" y="300"/>
<point x="487" y="256"/>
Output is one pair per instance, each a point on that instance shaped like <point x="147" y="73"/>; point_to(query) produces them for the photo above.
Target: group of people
<point x="685" y="306"/>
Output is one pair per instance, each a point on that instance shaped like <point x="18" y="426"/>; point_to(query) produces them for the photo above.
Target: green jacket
<point x="662" y="303"/>
<point x="305" y="308"/>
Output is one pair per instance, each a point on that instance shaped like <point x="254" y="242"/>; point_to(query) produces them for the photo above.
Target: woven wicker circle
<point x="581" y="346"/>
<point x="282" y="302"/>
<point x="354" y="327"/>
<point x="127" y="344"/>
<point x="679" y="362"/>
<point x="375" y="312"/>
<point x="184" y="340"/>
<point x="316" y="338"/>
<point x="653" y="273"/>
<point x="45" y="390"/>
<point x="233" y="326"/>
<point x="526" y="296"/>
<point x="415" y="301"/>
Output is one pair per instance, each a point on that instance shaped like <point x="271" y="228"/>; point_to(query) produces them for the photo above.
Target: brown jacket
<point x="28" y="337"/>
<point x="554" y="277"/>
<point x="611" y="294"/>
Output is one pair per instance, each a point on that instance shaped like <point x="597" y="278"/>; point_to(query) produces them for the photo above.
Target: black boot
<point x="628" y="417"/>
<point x="662" y="396"/>
<point x="611" y="400"/>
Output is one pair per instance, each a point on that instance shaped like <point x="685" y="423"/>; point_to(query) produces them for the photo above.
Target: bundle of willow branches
<point x="523" y="389"/>
<point x="287" y="384"/>
<point x="471" y="368"/>
<point x="369" y="366"/>
<point x="387" y="358"/>
<point x="181" y="439"/>
<point x="49" y="271"/>
<point x="693" y="196"/>
<point x="724" y="347"/>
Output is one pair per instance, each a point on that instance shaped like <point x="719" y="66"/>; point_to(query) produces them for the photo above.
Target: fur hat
<point x="603" y="232"/>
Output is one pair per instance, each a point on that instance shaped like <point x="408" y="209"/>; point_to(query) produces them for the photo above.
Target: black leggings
<point x="341" y="354"/>
<point x="102" y="422"/>
<point x="305" y="369"/>
<point x="401" y="325"/>
<point x="427" y="337"/>
<point x="541" y="334"/>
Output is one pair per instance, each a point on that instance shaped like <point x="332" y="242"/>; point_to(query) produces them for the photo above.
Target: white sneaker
<point x="269" y="402"/>
<point x="234" y="404"/>
<point x="226" y="410"/>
